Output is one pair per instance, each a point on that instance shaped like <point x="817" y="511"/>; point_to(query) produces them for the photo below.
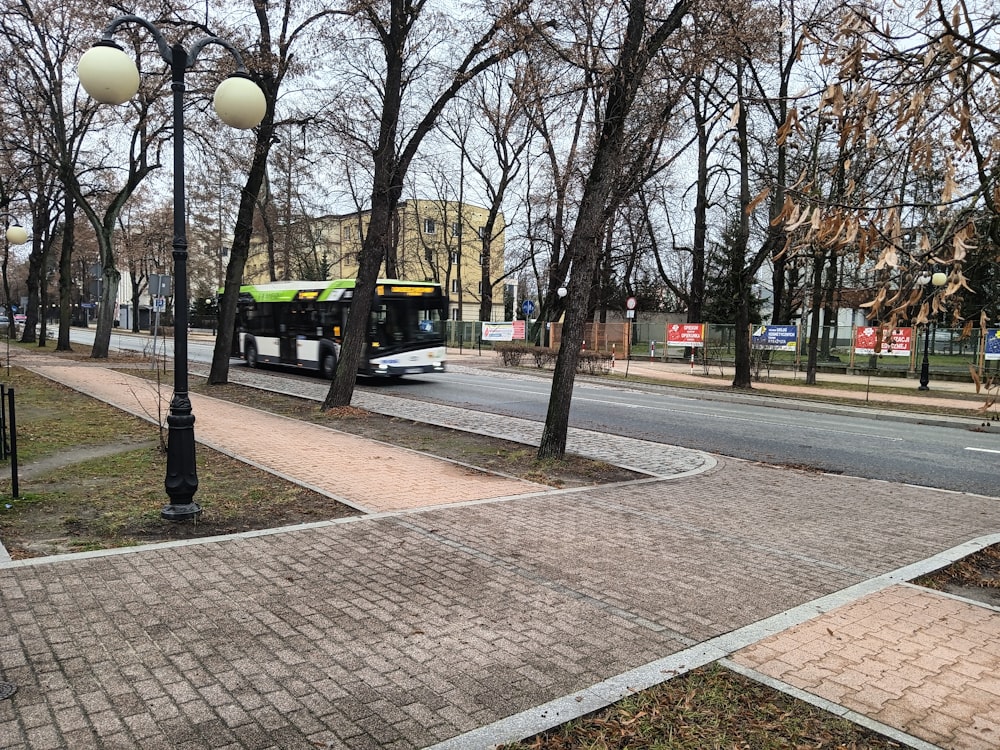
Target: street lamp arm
<point x="197" y="47"/>
<point x="161" y="41"/>
<point x="166" y="51"/>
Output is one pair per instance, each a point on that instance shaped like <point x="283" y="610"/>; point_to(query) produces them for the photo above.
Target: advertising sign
<point x="519" y="329"/>
<point x="992" y="350"/>
<point x="776" y="338"/>
<point x="896" y="342"/>
<point x="498" y="331"/>
<point x="686" y="334"/>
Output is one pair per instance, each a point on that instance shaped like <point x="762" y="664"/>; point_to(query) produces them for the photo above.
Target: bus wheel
<point x="327" y="363"/>
<point x="251" y="355"/>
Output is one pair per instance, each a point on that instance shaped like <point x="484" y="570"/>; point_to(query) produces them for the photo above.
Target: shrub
<point x="512" y="353"/>
<point x="594" y="363"/>
<point x="543" y="356"/>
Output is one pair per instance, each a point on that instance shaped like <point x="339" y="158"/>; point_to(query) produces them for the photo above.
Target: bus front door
<point x="286" y="344"/>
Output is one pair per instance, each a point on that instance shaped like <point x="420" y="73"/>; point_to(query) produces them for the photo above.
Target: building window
<point x="454" y="286"/>
<point x="480" y="289"/>
<point x="482" y="232"/>
<point x="454" y="314"/>
<point x="430" y="226"/>
<point x="456" y="229"/>
<point x="454" y="257"/>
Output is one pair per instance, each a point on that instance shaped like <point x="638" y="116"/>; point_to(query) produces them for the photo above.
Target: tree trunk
<point x="225" y="337"/>
<point x="742" y="272"/>
<point x="36" y="276"/>
<point x="378" y="237"/>
<point x="742" y="375"/>
<point x="66" y="275"/>
<point x="816" y="307"/>
<point x="585" y="248"/>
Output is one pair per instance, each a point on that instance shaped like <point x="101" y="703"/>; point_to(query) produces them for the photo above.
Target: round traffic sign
<point x="630" y="303"/>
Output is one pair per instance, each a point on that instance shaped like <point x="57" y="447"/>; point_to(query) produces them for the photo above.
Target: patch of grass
<point x="709" y="708"/>
<point x="52" y="418"/>
<point x="74" y="502"/>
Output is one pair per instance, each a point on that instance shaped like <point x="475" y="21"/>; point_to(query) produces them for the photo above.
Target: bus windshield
<point x="399" y="322"/>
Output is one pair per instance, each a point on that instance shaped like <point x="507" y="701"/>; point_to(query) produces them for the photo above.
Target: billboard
<point x="891" y="342"/>
<point x="686" y="334"/>
<point x="992" y="348"/>
<point x="498" y="332"/>
<point x="775" y="338"/>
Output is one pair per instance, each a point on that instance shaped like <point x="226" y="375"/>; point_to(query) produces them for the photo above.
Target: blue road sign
<point x="528" y="307"/>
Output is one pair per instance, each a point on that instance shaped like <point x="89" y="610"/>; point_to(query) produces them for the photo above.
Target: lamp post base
<point x="185" y="512"/>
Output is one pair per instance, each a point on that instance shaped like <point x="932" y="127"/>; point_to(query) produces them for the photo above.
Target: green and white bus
<point x="301" y="323"/>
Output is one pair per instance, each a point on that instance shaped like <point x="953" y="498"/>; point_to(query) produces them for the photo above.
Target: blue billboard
<point x="992" y="343"/>
<point x="775" y="338"/>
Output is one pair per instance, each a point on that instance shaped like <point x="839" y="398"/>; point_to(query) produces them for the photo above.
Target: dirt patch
<point x="976" y="577"/>
<point x="480" y="451"/>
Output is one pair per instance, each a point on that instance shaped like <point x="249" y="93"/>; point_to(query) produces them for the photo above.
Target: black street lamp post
<point x="111" y="77"/>
<point x="931" y="284"/>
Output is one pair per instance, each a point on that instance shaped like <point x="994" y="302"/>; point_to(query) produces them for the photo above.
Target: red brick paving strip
<point x="374" y="476"/>
<point x="908" y="657"/>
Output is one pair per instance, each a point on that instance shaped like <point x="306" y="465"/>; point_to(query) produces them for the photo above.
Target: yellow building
<point x="440" y="241"/>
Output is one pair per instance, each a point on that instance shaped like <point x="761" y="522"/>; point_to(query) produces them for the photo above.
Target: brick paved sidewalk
<point x="908" y="657"/>
<point x="471" y="623"/>
<point x="370" y="476"/>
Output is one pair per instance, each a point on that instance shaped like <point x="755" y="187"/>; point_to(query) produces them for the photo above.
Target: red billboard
<point x="886" y="342"/>
<point x="686" y="334"/>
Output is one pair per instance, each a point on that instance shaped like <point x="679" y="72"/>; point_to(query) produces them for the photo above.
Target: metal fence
<point x="951" y="352"/>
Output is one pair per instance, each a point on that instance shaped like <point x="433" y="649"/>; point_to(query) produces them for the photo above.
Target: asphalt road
<point x="843" y="441"/>
<point x="838" y="442"/>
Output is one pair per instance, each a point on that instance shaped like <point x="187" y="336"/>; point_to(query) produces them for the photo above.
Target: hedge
<point x="512" y="354"/>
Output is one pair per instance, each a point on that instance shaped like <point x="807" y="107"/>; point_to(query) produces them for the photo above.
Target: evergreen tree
<point x="721" y="288"/>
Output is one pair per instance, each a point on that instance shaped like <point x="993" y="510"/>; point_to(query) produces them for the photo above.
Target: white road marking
<point x="700" y="413"/>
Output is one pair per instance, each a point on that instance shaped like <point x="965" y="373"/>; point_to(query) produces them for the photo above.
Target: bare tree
<point x="914" y="184"/>
<point x="280" y="35"/>
<point x="617" y="152"/>
<point x="494" y="154"/>
<point x="399" y="26"/>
